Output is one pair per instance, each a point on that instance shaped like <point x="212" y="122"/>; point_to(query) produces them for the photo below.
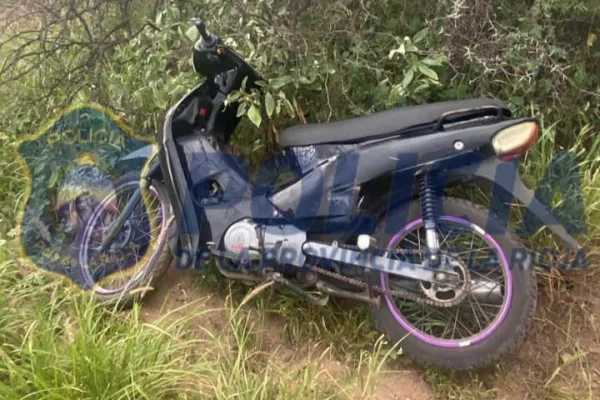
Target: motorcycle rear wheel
<point x="439" y="343"/>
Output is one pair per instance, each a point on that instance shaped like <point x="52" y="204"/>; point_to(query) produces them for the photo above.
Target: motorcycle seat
<point x="421" y="118"/>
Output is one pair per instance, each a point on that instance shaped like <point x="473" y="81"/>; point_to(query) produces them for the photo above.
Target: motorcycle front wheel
<point x="475" y="323"/>
<point x="138" y="255"/>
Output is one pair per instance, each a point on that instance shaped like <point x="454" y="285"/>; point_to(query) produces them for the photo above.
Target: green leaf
<point x="289" y="108"/>
<point x="160" y="102"/>
<point x="257" y="145"/>
<point x="261" y="83"/>
<point x="408" y="77"/>
<point x="269" y="104"/>
<point x="254" y="115"/>
<point x="233" y="97"/>
<point x="244" y="83"/>
<point x="399" y="50"/>
<point x="425" y="70"/>
<point x="592" y="37"/>
<point x="241" y="110"/>
<point x="53" y="178"/>
<point x="192" y="34"/>
<point x="518" y="101"/>
<point x="176" y="13"/>
<point x="421" y="35"/>
<point x="278" y="83"/>
<point x="421" y="87"/>
<point x="431" y="62"/>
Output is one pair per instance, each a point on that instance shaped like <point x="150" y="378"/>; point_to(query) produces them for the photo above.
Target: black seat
<point x="378" y="125"/>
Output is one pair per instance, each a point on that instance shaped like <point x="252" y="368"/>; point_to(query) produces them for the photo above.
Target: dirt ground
<point x="177" y="288"/>
<point x="559" y="359"/>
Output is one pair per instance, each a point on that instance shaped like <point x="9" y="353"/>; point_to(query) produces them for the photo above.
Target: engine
<point x="242" y="236"/>
<point x="280" y="243"/>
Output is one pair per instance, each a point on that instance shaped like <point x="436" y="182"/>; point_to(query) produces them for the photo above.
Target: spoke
<point x="475" y="314"/>
<point x="445" y="237"/>
<point x="423" y="318"/>
<point x="455" y="322"/>
<point x="490" y="305"/>
<point x="486" y="277"/>
<point x="116" y="264"/>
<point x="485" y="314"/>
<point x="470" y="251"/>
<point x="496" y="284"/>
<point x="411" y="242"/>
<point x="469" y="331"/>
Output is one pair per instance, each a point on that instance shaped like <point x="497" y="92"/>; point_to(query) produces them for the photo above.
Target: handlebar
<point x="211" y="59"/>
<point x="208" y="38"/>
<point x="201" y="26"/>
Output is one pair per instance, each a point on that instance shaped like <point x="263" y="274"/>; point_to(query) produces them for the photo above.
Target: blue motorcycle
<point x="362" y="214"/>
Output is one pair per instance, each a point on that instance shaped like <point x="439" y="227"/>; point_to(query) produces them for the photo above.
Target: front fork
<point x="147" y="173"/>
<point x="429" y="213"/>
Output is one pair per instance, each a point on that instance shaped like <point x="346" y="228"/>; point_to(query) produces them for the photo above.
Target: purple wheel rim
<point x="445" y="342"/>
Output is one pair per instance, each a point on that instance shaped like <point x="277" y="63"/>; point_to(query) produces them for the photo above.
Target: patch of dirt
<point x="176" y="290"/>
<point x="560" y="354"/>
<point x="402" y="385"/>
<point x="176" y="296"/>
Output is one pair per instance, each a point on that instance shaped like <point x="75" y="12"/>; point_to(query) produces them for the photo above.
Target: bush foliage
<point x="322" y="60"/>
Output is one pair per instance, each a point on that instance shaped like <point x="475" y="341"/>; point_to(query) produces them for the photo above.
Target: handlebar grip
<point x="201" y="26"/>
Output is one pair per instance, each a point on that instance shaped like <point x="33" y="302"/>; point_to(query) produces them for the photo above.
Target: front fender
<point x="140" y="155"/>
<point x="505" y="176"/>
<point x="136" y="159"/>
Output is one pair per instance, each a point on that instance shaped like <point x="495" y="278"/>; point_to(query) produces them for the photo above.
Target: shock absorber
<point x="429" y="213"/>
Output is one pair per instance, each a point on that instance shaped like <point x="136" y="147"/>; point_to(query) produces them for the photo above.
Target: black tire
<point x="513" y="326"/>
<point x="136" y="289"/>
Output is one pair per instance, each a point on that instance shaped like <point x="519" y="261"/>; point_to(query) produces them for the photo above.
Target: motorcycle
<point x="443" y="276"/>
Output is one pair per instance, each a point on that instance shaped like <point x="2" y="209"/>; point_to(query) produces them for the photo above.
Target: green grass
<point x="57" y="344"/>
<point x="465" y="387"/>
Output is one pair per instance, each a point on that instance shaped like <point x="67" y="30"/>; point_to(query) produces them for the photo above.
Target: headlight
<point x="514" y="141"/>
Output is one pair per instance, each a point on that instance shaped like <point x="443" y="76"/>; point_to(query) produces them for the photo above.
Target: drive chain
<point x="402" y="293"/>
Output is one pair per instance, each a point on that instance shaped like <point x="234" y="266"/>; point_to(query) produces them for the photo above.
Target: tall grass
<point x="575" y="177"/>
<point x="57" y="344"/>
